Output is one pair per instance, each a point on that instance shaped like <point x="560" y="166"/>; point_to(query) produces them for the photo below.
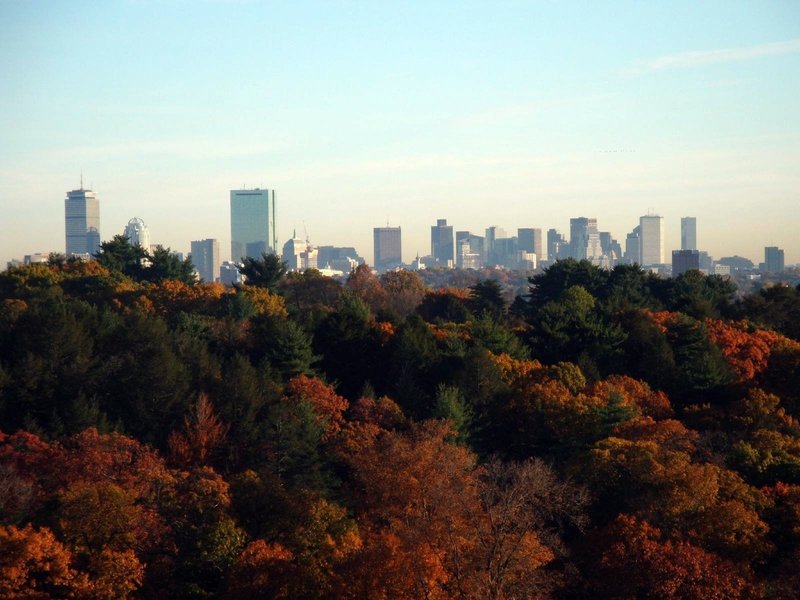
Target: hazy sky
<point x="516" y="114"/>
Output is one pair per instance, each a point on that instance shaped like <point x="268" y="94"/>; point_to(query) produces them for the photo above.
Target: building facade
<point x="688" y="233"/>
<point x="584" y="239"/>
<point x="82" y="222"/>
<point x="137" y="233"/>
<point x="651" y="240"/>
<point x="206" y="259"/>
<point x="529" y="240"/>
<point x="684" y="260"/>
<point x="388" y="248"/>
<point x="252" y="224"/>
<point x="442" y="243"/>
<point x="773" y="259"/>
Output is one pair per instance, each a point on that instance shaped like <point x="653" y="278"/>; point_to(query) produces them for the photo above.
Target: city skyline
<point x="512" y="114"/>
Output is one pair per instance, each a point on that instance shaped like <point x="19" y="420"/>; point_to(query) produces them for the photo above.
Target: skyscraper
<point x="684" y="260"/>
<point x="530" y="240"/>
<point x="651" y="240"/>
<point x="388" y="248"/>
<point x="773" y="259"/>
<point x="633" y="247"/>
<point x="82" y="222"/>
<point x="557" y="245"/>
<point x="205" y="258"/>
<point x="252" y="223"/>
<point x="137" y="233"/>
<point x="584" y="240"/>
<point x="442" y="248"/>
<point x="688" y="233"/>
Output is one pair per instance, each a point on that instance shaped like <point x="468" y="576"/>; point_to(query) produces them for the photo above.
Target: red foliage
<point x="636" y="563"/>
<point x="328" y="406"/>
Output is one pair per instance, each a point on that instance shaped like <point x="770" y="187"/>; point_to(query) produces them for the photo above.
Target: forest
<point x="608" y="434"/>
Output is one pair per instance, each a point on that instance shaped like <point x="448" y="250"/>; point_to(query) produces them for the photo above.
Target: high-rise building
<point x="557" y="245"/>
<point x="584" y="239"/>
<point x="530" y="240"/>
<point x="688" y="233"/>
<point x="651" y="240"/>
<point x="442" y="248"/>
<point x="82" y="222"/>
<point x="252" y="224"/>
<point x="470" y="250"/>
<point x="137" y="233"/>
<point x="388" y="248"/>
<point x="684" y="260"/>
<point x="773" y="259"/>
<point x="205" y="258"/>
<point x="633" y="247"/>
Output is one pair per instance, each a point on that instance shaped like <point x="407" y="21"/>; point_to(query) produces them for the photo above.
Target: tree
<point x="165" y="264"/>
<point x="404" y="291"/>
<point x="203" y="433"/>
<point x="635" y="563"/>
<point x="486" y="299"/>
<point x="118" y="254"/>
<point x="265" y="272"/>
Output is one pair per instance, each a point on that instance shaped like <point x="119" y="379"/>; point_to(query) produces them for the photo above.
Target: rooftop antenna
<point x="81" y="180"/>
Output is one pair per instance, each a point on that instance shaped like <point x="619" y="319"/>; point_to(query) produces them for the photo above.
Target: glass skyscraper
<point x="82" y="222"/>
<point x="252" y="223"/>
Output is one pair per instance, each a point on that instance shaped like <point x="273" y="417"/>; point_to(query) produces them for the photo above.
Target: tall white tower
<point x="137" y="233"/>
<point x="651" y="240"/>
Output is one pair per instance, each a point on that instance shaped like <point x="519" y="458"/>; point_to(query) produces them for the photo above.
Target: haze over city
<point x="512" y="114"/>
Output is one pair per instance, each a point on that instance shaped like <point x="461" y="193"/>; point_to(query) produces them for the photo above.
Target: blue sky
<point x="516" y="114"/>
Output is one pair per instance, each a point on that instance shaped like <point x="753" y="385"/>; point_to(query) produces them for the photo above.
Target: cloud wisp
<point x="683" y="60"/>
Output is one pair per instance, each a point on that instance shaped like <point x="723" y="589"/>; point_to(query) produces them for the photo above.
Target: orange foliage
<point x="262" y="571"/>
<point x="746" y="350"/>
<point x="33" y="565"/>
<point x="636" y="563"/>
<point x="328" y="406"/>
<point x="636" y="393"/>
<point x="668" y="434"/>
<point x="203" y="432"/>
<point x="385" y="330"/>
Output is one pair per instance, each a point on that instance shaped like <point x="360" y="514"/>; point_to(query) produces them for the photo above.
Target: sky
<point x="506" y="113"/>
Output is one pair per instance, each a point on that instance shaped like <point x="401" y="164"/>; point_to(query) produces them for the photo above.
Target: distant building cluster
<point x="253" y="234"/>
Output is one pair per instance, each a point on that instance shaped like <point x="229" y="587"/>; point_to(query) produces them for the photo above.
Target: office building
<point x="442" y="243"/>
<point x="773" y="259"/>
<point x="82" y="223"/>
<point x="206" y="260"/>
<point x="584" y="239"/>
<point x="388" y="248"/>
<point x="491" y="256"/>
<point x="684" y="260"/>
<point x="688" y="233"/>
<point x="470" y="250"/>
<point x="530" y="240"/>
<point x="651" y="240"/>
<point x="557" y="245"/>
<point x="336" y="258"/>
<point x="137" y="233"/>
<point x="633" y="247"/>
<point x="291" y="252"/>
<point x="252" y="224"/>
<point x="229" y="274"/>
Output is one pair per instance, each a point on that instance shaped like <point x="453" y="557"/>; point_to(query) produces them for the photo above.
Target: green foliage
<point x="265" y="272"/>
<point x="451" y="406"/>
<point x="486" y="300"/>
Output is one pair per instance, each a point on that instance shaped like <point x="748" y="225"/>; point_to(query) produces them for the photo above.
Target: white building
<point x="651" y="240"/>
<point x="137" y="233"/>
